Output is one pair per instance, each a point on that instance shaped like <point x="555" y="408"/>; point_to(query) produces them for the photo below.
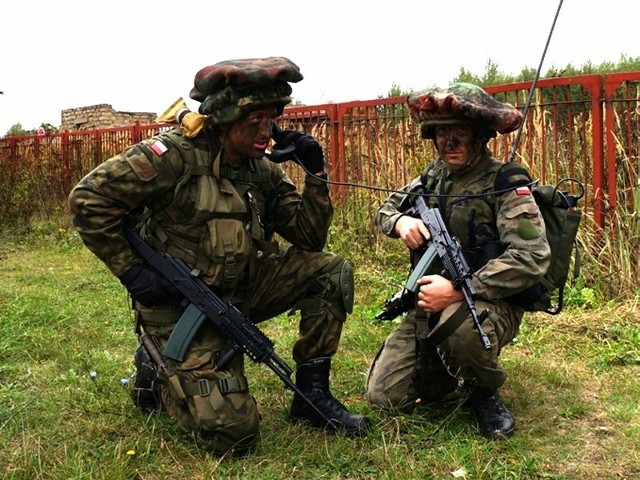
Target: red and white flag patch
<point x="158" y="148"/>
<point x="523" y="191"/>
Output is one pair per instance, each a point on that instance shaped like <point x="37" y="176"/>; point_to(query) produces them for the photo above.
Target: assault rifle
<point x="204" y="304"/>
<point x="442" y="245"/>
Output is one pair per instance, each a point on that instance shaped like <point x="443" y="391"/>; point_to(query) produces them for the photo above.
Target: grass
<point x="572" y="387"/>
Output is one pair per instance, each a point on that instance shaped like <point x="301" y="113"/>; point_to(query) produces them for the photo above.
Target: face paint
<point x="248" y="137"/>
<point x="455" y="145"/>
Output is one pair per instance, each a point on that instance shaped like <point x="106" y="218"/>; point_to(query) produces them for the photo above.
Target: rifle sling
<point x="444" y="329"/>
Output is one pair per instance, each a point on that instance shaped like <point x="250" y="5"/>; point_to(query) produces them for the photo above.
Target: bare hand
<point x="413" y="232"/>
<point x="436" y="293"/>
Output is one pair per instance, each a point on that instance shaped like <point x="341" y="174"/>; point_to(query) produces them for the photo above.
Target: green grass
<point x="572" y="388"/>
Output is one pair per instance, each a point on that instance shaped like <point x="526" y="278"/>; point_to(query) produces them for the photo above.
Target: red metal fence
<point x="586" y="127"/>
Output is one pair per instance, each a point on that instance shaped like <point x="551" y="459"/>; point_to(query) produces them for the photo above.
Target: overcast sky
<point x="139" y="55"/>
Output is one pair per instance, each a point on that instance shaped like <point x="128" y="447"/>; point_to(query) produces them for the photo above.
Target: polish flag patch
<point x="159" y="148"/>
<point x="523" y="191"/>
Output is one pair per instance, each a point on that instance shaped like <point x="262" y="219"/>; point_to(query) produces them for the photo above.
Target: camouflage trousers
<point x="216" y="406"/>
<point x="409" y="369"/>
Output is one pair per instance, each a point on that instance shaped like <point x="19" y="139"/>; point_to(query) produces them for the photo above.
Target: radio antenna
<point x="514" y="146"/>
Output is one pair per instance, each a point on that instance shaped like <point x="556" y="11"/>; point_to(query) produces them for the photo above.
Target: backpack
<point x="562" y="221"/>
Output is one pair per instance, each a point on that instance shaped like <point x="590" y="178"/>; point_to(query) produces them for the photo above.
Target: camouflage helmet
<point x="229" y="89"/>
<point x="462" y="103"/>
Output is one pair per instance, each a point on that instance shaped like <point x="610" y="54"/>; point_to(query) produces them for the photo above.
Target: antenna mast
<point x="514" y="146"/>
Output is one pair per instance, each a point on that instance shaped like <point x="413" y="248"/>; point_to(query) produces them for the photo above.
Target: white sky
<point x="140" y="55"/>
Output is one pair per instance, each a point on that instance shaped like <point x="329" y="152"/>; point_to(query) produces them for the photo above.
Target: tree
<point x="16" y="129"/>
<point x="493" y="76"/>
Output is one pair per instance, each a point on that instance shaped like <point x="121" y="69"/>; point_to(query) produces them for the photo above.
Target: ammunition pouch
<point x="229" y="248"/>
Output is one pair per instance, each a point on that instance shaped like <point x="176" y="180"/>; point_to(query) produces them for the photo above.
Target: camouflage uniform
<point x="503" y="237"/>
<point x="219" y="220"/>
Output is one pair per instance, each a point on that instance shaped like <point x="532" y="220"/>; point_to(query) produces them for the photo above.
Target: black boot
<point x="493" y="417"/>
<point x="145" y="392"/>
<point x="312" y="378"/>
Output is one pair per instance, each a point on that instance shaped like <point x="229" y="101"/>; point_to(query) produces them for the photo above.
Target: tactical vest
<point x="211" y="219"/>
<point x="470" y="213"/>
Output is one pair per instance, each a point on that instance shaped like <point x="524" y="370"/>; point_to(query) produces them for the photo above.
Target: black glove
<point x="309" y="154"/>
<point x="147" y="286"/>
<point x="297" y="146"/>
<point x="284" y="138"/>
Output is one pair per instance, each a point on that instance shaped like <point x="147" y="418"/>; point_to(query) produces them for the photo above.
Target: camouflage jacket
<point x="159" y="174"/>
<point x="503" y="234"/>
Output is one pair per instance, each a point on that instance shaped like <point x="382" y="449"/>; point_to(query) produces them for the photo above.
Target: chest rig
<point x="468" y="206"/>
<point x="211" y="218"/>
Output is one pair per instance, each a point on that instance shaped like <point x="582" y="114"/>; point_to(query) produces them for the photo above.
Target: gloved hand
<point x="297" y="146"/>
<point x="147" y="286"/>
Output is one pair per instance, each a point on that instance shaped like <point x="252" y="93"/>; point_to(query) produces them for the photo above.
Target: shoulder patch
<point x="523" y="191"/>
<point x="141" y="165"/>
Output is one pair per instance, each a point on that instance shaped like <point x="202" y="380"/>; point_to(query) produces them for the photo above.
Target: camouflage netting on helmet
<point x="462" y="103"/>
<point x="229" y="89"/>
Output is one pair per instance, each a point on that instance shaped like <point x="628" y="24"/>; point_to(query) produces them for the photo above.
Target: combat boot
<point x="494" y="419"/>
<point x="145" y="392"/>
<point x="312" y="378"/>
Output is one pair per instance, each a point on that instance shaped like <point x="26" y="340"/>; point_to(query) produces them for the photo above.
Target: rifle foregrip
<point x="422" y="267"/>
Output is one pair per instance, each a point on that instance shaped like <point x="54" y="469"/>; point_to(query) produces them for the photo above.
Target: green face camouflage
<point x="229" y="89"/>
<point x="462" y="103"/>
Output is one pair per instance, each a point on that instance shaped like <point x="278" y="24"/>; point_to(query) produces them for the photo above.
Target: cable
<point x="417" y="194"/>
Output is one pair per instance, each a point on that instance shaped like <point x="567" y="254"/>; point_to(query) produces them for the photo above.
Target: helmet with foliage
<point x="229" y="89"/>
<point x="462" y="103"/>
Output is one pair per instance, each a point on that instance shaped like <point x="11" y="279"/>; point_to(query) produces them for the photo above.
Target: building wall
<point x="101" y="116"/>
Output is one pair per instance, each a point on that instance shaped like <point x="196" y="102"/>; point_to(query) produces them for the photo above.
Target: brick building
<point x="101" y="116"/>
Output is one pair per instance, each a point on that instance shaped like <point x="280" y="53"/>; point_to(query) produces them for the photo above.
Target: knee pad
<point x="346" y="283"/>
<point x="341" y="279"/>
<point x="333" y="289"/>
